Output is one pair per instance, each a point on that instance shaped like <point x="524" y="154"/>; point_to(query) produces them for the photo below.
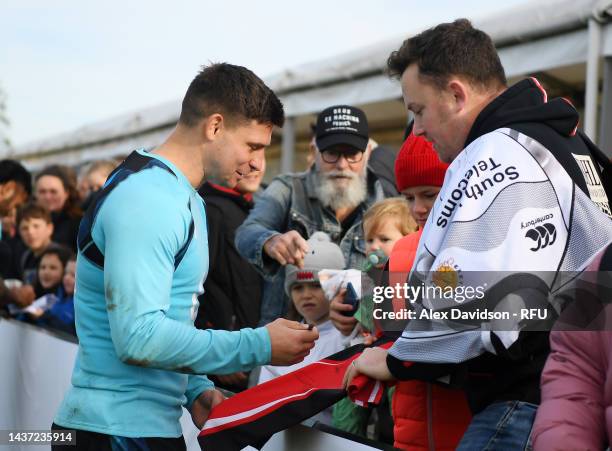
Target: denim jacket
<point x="290" y="203"/>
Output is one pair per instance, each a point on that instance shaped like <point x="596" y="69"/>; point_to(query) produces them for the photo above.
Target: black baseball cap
<point x="342" y="124"/>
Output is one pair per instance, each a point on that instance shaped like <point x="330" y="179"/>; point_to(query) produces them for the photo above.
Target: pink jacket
<point x="576" y="408"/>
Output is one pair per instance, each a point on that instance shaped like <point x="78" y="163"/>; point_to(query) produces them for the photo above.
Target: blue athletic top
<point x="140" y="358"/>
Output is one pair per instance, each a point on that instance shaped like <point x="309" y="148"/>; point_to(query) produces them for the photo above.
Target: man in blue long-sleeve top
<point x="143" y="257"/>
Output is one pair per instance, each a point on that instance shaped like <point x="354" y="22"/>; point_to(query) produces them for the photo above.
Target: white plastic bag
<point x="333" y="280"/>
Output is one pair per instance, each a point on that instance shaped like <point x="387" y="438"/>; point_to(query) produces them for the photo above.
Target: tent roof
<point x="521" y="23"/>
<point x="358" y="74"/>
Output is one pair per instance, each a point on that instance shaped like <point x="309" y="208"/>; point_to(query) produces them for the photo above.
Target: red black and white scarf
<point x="253" y="416"/>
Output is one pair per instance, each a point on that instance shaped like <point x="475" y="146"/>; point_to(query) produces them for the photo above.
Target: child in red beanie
<point x="419" y="175"/>
<point x="425" y="415"/>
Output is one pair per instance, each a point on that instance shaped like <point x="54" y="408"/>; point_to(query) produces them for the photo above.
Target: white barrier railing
<point x="35" y="370"/>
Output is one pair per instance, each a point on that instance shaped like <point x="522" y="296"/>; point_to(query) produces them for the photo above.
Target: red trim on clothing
<point x="225" y="189"/>
<point x="535" y="80"/>
<point x="575" y="130"/>
<point x="232" y="191"/>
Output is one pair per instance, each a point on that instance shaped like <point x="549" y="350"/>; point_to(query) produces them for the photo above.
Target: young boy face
<point x="384" y="237"/>
<point x="36" y="233"/>
<point x="420" y="202"/>
<point x="309" y="300"/>
<point x="50" y="271"/>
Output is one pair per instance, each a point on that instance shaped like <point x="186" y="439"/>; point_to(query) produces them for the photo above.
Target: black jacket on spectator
<point x="232" y="291"/>
<point x="65" y="229"/>
<point x="11" y="250"/>
<point x="382" y="163"/>
<point x="6" y="256"/>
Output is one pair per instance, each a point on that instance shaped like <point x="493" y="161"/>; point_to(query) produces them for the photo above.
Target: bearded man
<point x="331" y="196"/>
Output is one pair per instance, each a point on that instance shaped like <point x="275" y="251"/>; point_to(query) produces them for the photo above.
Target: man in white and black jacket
<point x="524" y="201"/>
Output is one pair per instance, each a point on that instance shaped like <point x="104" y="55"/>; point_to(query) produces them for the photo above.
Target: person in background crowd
<point x="50" y="272"/>
<point x="8" y="234"/>
<point x="233" y="288"/>
<point x="55" y="189"/>
<point x="232" y="292"/>
<point x="56" y="273"/>
<point x="308" y="299"/>
<point x="15" y="185"/>
<point x="426" y="415"/>
<point x="330" y="197"/>
<point x="577" y="378"/>
<point x="142" y="261"/>
<point x="381" y="163"/>
<point x="15" y="190"/>
<point x="420" y="175"/>
<point x="91" y="179"/>
<point x="385" y="222"/>
<point x="516" y="157"/>
<point x="312" y="147"/>
<point x="36" y="231"/>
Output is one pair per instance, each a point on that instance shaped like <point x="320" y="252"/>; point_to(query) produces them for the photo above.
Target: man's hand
<point x="22" y="296"/>
<point x="372" y="362"/>
<point x="288" y="248"/>
<point x="290" y="341"/>
<point x="345" y="324"/>
<point x="203" y="404"/>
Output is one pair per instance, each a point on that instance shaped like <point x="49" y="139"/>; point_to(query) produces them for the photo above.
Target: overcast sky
<point x="66" y="63"/>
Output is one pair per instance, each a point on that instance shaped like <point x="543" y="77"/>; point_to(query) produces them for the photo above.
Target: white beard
<point x="334" y="196"/>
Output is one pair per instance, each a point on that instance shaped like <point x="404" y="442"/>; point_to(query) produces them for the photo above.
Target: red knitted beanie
<point x="417" y="164"/>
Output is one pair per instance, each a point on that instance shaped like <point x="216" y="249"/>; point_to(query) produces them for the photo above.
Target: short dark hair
<point x="32" y="211"/>
<point x="13" y="171"/>
<point x="63" y="253"/>
<point x="233" y="91"/>
<point x="449" y="49"/>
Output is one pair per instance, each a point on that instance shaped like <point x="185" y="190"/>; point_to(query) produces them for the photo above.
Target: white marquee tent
<point x="566" y="43"/>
